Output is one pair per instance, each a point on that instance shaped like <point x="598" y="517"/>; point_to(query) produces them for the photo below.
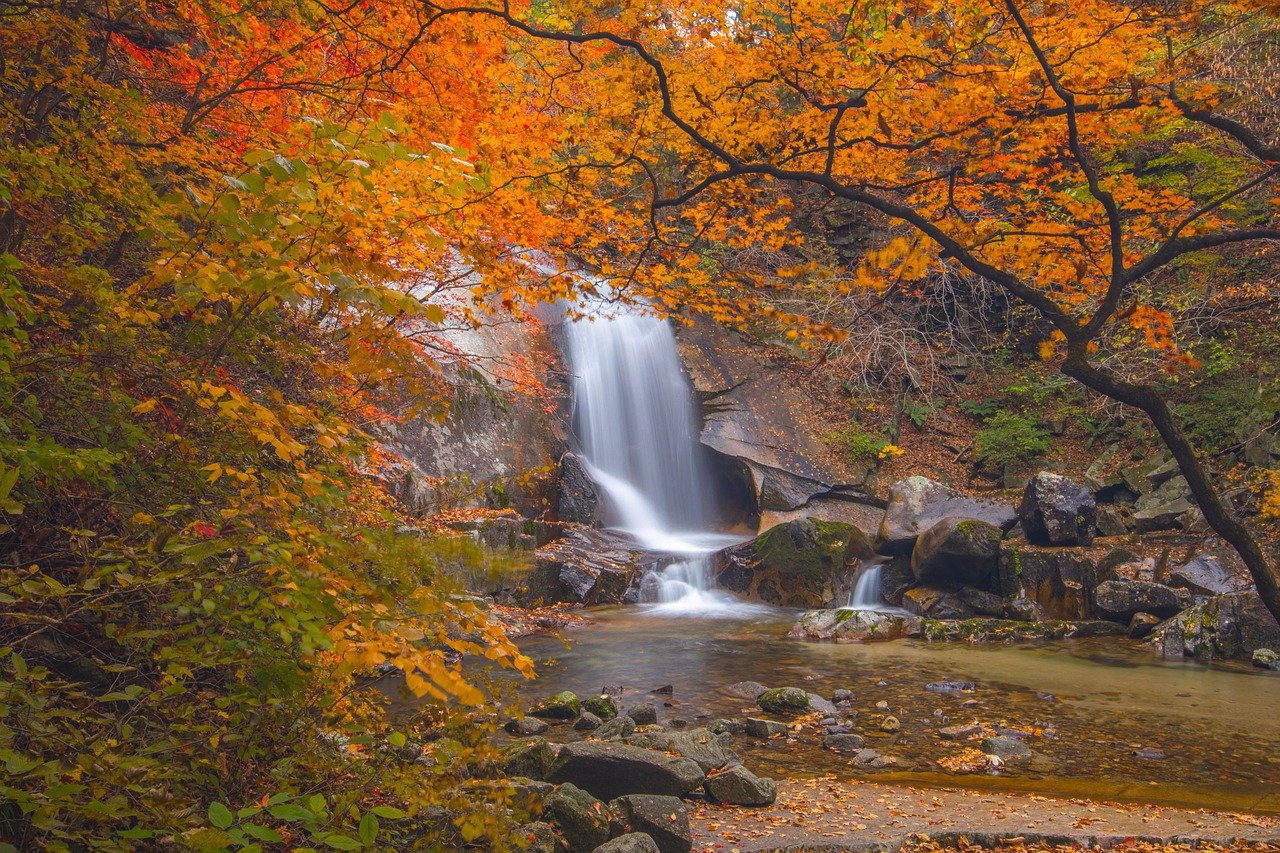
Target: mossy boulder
<point x="602" y="706"/>
<point x="784" y="700"/>
<point x="562" y="706"/>
<point x="807" y="562"/>
<point x="1234" y="625"/>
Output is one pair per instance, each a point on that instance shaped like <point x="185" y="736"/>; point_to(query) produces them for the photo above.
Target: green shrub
<point x="860" y="445"/>
<point x="1011" y="440"/>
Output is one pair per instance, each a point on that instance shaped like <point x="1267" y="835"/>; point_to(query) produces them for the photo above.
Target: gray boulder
<point x="1205" y="575"/>
<point x="934" y="602"/>
<point x="1005" y="747"/>
<point x="1162" y="516"/>
<point x="585" y="566"/>
<point x="1266" y="659"/>
<point x="663" y="819"/>
<point x="588" y="722"/>
<point x="632" y="842"/>
<point x="609" y="770"/>
<point x="1120" y="600"/>
<point x="918" y="503"/>
<point x="843" y="742"/>
<point x="532" y="759"/>
<point x="806" y="562"/>
<point x="602" y="706"/>
<point x="643" y="713"/>
<point x="1057" y="511"/>
<point x="581" y="817"/>
<point x="615" y="729"/>
<point x="764" y="728"/>
<point x="701" y="745"/>
<point x="738" y="786"/>
<point x="746" y="689"/>
<point x="525" y="726"/>
<point x="536" y="837"/>
<point x="956" y="550"/>
<point x="853" y="626"/>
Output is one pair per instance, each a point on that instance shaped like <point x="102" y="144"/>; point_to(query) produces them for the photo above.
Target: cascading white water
<point x="634" y="419"/>
<point x="866" y="593"/>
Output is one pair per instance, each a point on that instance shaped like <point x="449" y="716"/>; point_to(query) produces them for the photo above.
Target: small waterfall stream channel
<point x="1105" y="717"/>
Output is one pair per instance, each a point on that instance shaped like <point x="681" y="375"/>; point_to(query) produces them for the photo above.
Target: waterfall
<point x="866" y="593"/>
<point x="637" y="431"/>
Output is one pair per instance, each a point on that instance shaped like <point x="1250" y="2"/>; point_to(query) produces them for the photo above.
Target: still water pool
<point x="1105" y="717"/>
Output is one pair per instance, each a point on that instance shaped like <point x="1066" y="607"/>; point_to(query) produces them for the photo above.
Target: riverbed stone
<point x="1266" y="659"/>
<point x="615" y="729"/>
<point x="582" y="818"/>
<point x="1233" y="625"/>
<point x="643" y="713"/>
<point x="664" y="819"/>
<point x="607" y="770"/>
<point x="632" y="842"/>
<point x="870" y="759"/>
<point x="806" y="562"/>
<point x="853" y="626"/>
<point x="588" y="722"/>
<point x="1057" y="511"/>
<point x="738" y="786"/>
<point x="1006" y="748"/>
<point x="525" y="726"/>
<point x="757" y="727"/>
<point x="959" y="732"/>
<point x="602" y="706"/>
<point x="784" y="700"/>
<point x="746" y="689"/>
<point x="890" y="725"/>
<point x="956" y="550"/>
<point x="844" y="742"/>
<point x="918" y="503"/>
<point x="562" y="706"/>
<point x="1119" y="600"/>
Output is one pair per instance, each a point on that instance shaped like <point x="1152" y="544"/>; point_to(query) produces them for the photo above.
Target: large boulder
<point x="562" y="706"/>
<point x="532" y="759"/>
<point x="1164" y="506"/>
<point x="1057" y="511"/>
<point x="951" y="602"/>
<point x="738" y="786"/>
<point x="853" y="626"/>
<point x="918" y="503"/>
<point x="1205" y="575"/>
<point x="578" y="500"/>
<point x="1234" y="625"/>
<point x="803" y="563"/>
<point x="664" y="819"/>
<point x="956" y="550"/>
<point x="632" y="842"/>
<point x="583" y="819"/>
<point x="608" y="770"/>
<point x="1119" y="600"/>
<point x="586" y="566"/>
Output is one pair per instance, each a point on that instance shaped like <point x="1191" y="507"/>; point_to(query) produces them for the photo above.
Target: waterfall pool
<point x="1105" y="717"/>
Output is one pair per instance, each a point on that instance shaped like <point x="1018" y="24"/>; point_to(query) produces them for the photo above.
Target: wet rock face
<point x="1120" y="600"/>
<point x="956" y="550"/>
<point x="918" y="503"/>
<point x="803" y="563"/>
<point x="1059" y="581"/>
<point x="740" y="787"/>
<point x="585" y="566"/>
<point x="581" y="817"/>
<point x="578" y="500"/>
<point x="1226" y="626"/>
<point x="1057" y="511"/>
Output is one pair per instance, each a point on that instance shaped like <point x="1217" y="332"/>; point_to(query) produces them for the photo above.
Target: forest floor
<point x="830" y="814"/>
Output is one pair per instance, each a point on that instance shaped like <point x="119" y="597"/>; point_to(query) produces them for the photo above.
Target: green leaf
<point x="369" y="829"/>
<point x="262" y="833"/>
<point x="339" y="842"/>
<point x="397" y="739"/>
<point x="220" y="816"/>
<point x="390" y="812"/>
<point x="288" y="811"/>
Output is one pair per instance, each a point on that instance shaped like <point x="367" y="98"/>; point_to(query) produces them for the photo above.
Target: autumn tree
<point x="1079" y="155"/>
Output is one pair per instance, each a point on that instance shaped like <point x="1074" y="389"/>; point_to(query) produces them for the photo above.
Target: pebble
<point x="1149" y="753"/>
<point x="951" y="687"/>
<point x="882" y="705"/>
<point x="890" y="724"/>
<point x="960" y="732"/>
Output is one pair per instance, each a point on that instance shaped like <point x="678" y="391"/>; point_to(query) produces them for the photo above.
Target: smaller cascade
<point x="866" y="593"/>
<point x="684" y="588"/>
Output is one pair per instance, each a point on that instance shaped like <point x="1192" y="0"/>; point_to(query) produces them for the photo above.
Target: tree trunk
<point x="1217" y="513"/>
